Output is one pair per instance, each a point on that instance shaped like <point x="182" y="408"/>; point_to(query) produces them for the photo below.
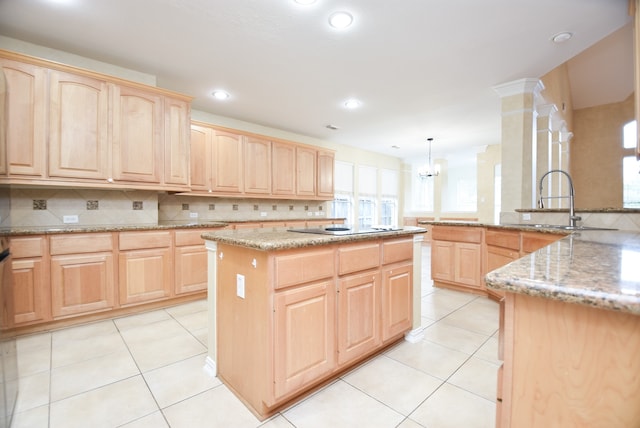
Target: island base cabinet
<point x="304" y="336"/>
<point x="359" y="324"/>
<point x="397" y="300"/>
<point x="569" y="365"/>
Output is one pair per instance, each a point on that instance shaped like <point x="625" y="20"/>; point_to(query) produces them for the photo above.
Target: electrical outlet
<point x="193" y="215"/>
<point x="69" y="219"/>
<point x="240" y="285"/>
<point x="526" y="216"/>
<point x="263" y="214"/>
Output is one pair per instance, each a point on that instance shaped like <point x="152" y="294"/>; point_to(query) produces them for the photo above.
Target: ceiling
<point x="421" y="68"/>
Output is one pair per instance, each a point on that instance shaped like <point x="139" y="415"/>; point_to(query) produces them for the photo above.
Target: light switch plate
<point x="240" y="285"/>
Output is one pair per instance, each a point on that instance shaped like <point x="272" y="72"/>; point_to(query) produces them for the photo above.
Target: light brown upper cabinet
<point x="257" y="166"/>
<point x="25" y="116"/>
<point x="227" y="174"/>
<point x="283" y="169"/>
<point x="326" y="166"/>
<point x="73" y="127"/>
<point x="306" y="168"/>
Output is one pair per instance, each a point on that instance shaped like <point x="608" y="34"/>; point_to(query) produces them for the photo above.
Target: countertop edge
<point x="280" y="239"/>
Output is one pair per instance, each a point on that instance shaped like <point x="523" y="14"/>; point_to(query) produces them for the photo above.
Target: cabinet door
<point x="304" y="336"/>
<point x="257" y="166"/>
<point x="190" y="269"/>
<point x="358" y="315"/>
<point x="137" y="135"/>
<point x="442" y="256"/>
<point x="30" y="291"/>
<point x="305" y="171"/>
<point x="176" y="141"/>
<point x="144" y="275"/>
<point x="78" y="127"/>
<point x="201" y="158"/>
<point x="326" y="163"/>
<point x="283" y="169"/>
<point x="26" y="104"/>
<point x="81" y="283"/>
<point x="227" y="173"/>
<point x="467" y="264"/>
<point x="397" y="300"/>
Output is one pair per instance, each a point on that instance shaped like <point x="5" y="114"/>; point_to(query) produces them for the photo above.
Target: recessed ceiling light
<point x="220" y="94"/>
<point x="332" y="127"/>
<point x="305" y="2"/>
<point x="340" y="19"/>
<point x="352" y="103"/>
<point x="562" y="37"/>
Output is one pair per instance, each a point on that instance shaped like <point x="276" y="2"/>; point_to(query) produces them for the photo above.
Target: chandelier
<point x="430" y="170"/>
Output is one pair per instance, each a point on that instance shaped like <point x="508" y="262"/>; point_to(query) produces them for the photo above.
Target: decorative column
<point x="544" y="151"/>
<point x="518" y="146"/>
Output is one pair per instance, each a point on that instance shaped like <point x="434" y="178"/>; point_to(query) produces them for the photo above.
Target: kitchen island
<point x="290" y="311"/>
<point x="570" y="333"/>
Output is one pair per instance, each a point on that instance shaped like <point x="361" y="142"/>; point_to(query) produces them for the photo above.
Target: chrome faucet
<point x="573" y="218"/>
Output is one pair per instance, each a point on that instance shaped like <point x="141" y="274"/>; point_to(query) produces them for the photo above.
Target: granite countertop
<point x="279" y="238"/>
<point x="522" y="227"/>
<point x="594" y="268"/>
<point x="74" y="228"/>
<point x="177" y="224"/>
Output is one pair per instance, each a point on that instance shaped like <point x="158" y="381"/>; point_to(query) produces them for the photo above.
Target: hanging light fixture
<point x="430" y="170"/>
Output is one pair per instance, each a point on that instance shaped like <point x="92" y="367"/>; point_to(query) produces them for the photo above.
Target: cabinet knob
<point x="109" y="180"/>
<point x="221" y="256"/>
<point x="254" y="263"/>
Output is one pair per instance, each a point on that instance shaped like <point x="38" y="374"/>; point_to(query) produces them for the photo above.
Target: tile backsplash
<point x="48" y="207"/>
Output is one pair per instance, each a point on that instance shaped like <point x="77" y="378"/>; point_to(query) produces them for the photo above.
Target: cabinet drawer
<point x="502" y="239"/>
<point x="301" y="268"/>
<point x="81" y="243"/>
<point x="27" y="247"/>
<point x="190" y="237"/>
<point x="395" y="251"/>
<point x="138" y="240"/>
<point x="358" y="257"/>
<point x="457" y="234"/>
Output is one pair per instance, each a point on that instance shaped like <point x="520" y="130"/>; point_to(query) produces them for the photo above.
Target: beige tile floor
<point x="147" y="371"/>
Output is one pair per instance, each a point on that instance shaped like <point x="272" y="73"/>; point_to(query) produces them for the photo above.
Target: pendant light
<point x="430" y="170"/>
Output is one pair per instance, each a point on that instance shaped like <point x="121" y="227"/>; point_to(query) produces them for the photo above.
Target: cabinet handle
<point x="254" y="263"/>
<point x="221" y="256"/>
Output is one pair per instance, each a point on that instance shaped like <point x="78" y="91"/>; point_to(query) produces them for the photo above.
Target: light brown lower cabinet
<point x="456" y="258"/>
<point x="190" y="261"/>
<point x="82" y="274"/>
<point x="397" y="300"/>
<point x="145" y="266"/>
<point x="303" y="336"/>
<point x="31" y="289"/>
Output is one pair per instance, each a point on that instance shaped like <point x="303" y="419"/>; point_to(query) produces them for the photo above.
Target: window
<point x="342" y="207"/>
<point x="389" y="212"/>
<point x="630" y="169"/>
<point x="367" y="212"/>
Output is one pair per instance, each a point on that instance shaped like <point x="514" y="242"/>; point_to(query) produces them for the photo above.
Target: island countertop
<point x="596" y="268"/>
<point x="279" y="238"/>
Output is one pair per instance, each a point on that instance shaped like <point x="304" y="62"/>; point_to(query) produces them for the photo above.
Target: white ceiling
<point x="422" y="68"/>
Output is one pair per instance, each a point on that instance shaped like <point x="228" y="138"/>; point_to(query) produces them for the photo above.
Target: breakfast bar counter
<point x="570" y="333"/>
